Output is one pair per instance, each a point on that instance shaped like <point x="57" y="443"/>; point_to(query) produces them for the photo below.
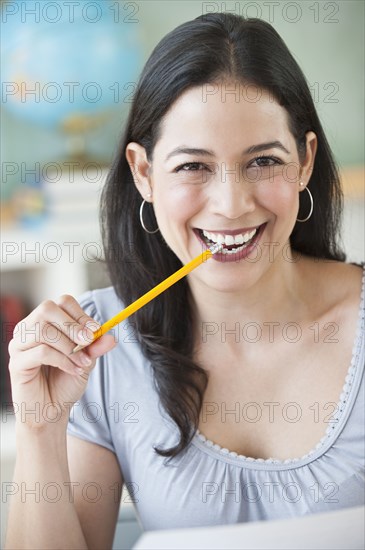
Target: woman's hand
<point x="45" y="379"/>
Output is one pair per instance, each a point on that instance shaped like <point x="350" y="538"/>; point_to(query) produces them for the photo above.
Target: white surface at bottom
<point x="339" y="530"/>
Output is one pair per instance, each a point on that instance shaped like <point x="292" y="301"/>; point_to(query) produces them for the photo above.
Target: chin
<point x="232" y="277"/>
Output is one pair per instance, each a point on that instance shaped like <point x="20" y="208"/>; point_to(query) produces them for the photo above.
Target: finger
<point x="48" y="322"/>
<point x="74" y="310"/>
<point x="48" y="334"/>
<point x="80" y="359"/>
<point x="60" y="343"/>
<point x="35" y="357"/>
<point x="45" y="332"/>
<point x="102" y="345"/>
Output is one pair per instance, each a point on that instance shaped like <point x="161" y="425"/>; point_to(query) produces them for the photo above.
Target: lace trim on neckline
<point x="335" y="417"/>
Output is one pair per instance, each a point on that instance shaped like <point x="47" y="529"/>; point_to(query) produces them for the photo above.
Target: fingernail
<point x="92" y="325"/>
<point x="79" y="370"/>
<point x="85" y="359"/>
<point x="81" y="336"/>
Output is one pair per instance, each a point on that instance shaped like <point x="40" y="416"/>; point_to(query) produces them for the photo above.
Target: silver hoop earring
<point x="141" y="218"/>
<point x="311" y="208"/>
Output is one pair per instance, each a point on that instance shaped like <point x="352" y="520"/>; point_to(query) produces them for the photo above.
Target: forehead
<point x="224" y="114"/>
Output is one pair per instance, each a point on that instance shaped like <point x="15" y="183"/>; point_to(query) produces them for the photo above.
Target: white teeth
<point x="229" y="240"/>
<point x="249" y="236"/>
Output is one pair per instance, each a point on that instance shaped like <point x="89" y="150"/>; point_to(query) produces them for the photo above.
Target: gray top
<point x="209" y="485"/>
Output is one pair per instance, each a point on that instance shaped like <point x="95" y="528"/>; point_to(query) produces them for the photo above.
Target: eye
<point x="265" y="161"/>
<point x="191" y="167"/>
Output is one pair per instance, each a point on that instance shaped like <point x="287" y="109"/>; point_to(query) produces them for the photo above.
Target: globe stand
<point x="77" y="127"/>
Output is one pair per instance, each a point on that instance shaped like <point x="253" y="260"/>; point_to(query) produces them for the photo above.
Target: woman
<point x="234" y="396"/>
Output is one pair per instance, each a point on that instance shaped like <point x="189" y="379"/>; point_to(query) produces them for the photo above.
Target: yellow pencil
<point x="151" y="294"/>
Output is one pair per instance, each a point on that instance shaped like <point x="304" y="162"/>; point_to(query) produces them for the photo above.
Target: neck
<point x="277" y="296"/>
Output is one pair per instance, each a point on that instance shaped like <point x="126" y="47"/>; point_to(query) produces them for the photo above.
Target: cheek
<point x="279" y="196"/>
<point x="175" y="206"/>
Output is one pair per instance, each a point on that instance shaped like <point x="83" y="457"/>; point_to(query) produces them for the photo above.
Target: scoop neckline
<point x="343" y="409"/>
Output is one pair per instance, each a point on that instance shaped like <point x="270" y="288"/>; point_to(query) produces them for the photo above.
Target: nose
<point x="231" y="196"/>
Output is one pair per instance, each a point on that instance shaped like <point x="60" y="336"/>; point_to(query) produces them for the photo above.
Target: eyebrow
<point x="189" y="151"/>
<point x="267" y="145"/>
<point x="206" y="152"/>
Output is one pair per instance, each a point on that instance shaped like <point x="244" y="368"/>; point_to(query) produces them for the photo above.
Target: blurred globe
<point x="71" y="71"/>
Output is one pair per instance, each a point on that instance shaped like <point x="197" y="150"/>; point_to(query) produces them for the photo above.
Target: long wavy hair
<point x="206" y="50"/>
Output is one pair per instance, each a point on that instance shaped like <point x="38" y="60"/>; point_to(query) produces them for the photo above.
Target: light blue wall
<point x="327" y="39"/>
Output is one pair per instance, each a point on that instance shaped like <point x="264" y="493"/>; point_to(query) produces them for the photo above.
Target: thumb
<point x="102" y="345"/>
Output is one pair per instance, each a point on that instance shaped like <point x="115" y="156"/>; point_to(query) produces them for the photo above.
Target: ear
<point x="140" y="167"/>
<point x="310" y="155"/>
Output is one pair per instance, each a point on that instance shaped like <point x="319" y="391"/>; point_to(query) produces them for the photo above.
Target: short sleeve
<point x="88" y="417"/>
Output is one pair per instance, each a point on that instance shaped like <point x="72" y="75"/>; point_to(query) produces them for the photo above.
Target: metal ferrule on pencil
<point x="216" y="248"/>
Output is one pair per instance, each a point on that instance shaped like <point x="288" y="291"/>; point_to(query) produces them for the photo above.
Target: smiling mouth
<point x="232" y="244"/>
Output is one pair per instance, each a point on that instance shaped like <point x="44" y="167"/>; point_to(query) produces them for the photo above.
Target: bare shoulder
<point x="345" y="274"/>
<point x="346" y="278"/>
<point x="336" y="285"/>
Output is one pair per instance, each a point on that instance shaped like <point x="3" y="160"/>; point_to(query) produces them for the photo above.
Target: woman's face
<point x="226" y="169"/>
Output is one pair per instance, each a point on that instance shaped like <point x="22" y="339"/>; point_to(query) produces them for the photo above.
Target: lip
<point x="242" y="254"/>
